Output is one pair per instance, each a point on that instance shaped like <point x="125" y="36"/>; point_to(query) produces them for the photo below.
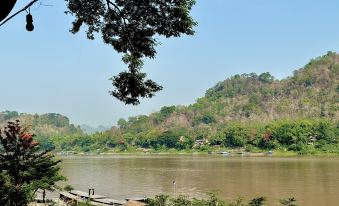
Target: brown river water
<point x="312" y="181"/>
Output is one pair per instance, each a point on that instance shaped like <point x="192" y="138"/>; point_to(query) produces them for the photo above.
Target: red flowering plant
<point x="24" y="167"/>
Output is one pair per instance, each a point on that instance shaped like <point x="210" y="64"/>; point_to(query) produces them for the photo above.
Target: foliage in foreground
<point x="24" y="167"/>
<point x="212" y="200"/>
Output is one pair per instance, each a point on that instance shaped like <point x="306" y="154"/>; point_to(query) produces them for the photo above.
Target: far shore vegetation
<point x="253" y="113"/>
<point x="283" y="137"/>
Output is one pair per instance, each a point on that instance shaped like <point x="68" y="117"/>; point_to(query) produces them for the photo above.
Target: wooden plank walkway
<point x="138" y="199"/>
<point x="67" y="195"/>
<point x="85" y="195"/>
<point x="80" y="196"/>
<point x="109" y="201"/>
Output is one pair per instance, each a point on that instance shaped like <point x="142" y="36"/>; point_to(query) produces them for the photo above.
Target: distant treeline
<point x="305" y="136"/>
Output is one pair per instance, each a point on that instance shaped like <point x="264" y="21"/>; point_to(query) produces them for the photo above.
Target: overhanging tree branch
<point x="131" y="28"/>
<point x="18" y="12"/>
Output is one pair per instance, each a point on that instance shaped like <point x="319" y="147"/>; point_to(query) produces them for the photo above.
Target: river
<point x="312" y="181"/>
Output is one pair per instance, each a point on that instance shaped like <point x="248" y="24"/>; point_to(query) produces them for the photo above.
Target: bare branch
<point x="117" y="8"/>
<point x="113" y="4"/>
<point x="18" y="12"/>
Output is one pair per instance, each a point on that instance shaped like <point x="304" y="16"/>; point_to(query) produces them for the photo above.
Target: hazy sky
<point x="52" y="70"/>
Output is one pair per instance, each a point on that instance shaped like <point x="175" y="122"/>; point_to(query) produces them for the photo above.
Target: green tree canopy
<point x="131" y="27"/>
<point x="266" y="77"/>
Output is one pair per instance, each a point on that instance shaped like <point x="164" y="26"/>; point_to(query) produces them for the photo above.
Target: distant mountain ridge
<point x="91" y="130"/>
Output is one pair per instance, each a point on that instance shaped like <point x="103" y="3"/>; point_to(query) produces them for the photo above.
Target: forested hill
<point x="44" y="125"/>
<point x="248" y="110"/>
<point x="312" y="92"/>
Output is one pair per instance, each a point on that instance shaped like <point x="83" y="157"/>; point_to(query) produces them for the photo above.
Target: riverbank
<point x="259" y="153"/>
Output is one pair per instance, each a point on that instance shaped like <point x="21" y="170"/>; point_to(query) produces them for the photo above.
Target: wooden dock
<point x="69" y="197"/>
<point x="107" y="201"/>
<point x="85" y="195"/>
<point x="137" y="199"/>
<point x="80" y="196"/>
